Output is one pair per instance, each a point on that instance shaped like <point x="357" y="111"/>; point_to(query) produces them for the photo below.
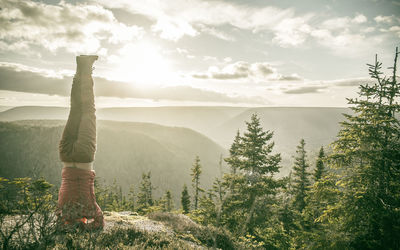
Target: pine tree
<point x="319" y="166"/>
<point x="196" y="172"/>
<point x="185" y="200"/>
<point x="301" y="182"/>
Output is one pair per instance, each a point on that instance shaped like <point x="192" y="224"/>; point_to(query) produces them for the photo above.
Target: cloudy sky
<point x="195" y="52"/>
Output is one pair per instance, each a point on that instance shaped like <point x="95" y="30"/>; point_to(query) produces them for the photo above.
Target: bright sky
<point x="195" y="52"/>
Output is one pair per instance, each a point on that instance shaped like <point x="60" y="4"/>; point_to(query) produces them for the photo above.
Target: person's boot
<point x="84" y="69"/>
<point x="77" y="206"/>
<point x="84" y="64"/>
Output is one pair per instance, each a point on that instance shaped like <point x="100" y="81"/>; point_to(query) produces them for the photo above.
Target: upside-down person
<point x="76" y="200"/>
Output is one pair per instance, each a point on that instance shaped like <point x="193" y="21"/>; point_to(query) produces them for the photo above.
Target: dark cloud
<point x="305" y="90"/>
<point x="228" y="76"/>
<point x="260" y="71"/>
<point x="352" y="82"/>
<point x="236" y="70"/>
<point x="14" y="77"/>
<point x="201" y="76"/>
<point x="265" y="69"/>
<point x="231" y="71"/>
<point x="316" y="88"/>
<point x="290" y="78"/>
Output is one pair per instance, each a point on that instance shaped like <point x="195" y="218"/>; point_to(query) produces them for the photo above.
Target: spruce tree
<point x="131" y="198"/>
<point x="254" y="182"/>
<point x="166" y="202"/>
<point x="169" y="203"/>
<point x="367" y="152"/>
<point x="185" y="200"/>
<point x="301" y="182"/>
<point x="234" y="154"/>
<point x="196" y="172"/>
<point x="145" y="195"/>
<point x="319" y="166"/>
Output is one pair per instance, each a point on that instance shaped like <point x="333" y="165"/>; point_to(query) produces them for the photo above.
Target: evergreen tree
<point x="114" y="197"/>
<point x="217" y="190"/>
<point x="301" y="182"/>
<point x="367" y="153"/>
<point x="169" y="203"/>
<point x="253" y="185"/>
<point x="165" y="203"/>
<point x="185" y="200"/>
<point x="234" y="153"/>
<point x="101" y="193"/>
<point x="286" y="213"/>
<point x="317" y="231"/>
<point x="131" y="198"/>
<point x="319" y="166"/>
<point x="145" y="195"/>
<point x="206" y="214"/>
<point x="196" y="172"/>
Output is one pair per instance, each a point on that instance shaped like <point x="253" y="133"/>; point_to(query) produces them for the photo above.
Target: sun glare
<point x="141" y="63"/>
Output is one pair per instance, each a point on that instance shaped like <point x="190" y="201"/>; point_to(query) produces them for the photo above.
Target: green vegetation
<point x="196" y="172"/>
<point x="319" y="165"/>
<point x="185" y="200"/>
<point x="301" y="180"/>
<point x="350" y="200"/>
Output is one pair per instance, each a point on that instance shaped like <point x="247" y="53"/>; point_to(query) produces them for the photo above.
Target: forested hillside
<point x="125" y="151"/>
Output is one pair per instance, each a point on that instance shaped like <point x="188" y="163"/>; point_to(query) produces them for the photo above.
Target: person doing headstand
<point x="77" y="148"/>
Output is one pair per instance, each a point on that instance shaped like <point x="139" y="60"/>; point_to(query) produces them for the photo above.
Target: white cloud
<point x="343" y="22"/>
<point x="292" y="31"/>
<point x="77" y="28"/>
<point x="174" y="19"/>
<point x="395" y="29"/>
<point x="217" y="33"/>
<point x="386" y="19"/>
<point x="360" y="18"/>
<point x="336" y="23"/>
<point x="178" y="18"/>
<point x="343" y="43"/>
<point x="173" y="29"/>
<point x="368" y="30"/>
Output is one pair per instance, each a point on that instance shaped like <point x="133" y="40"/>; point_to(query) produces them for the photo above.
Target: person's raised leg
<point x="70" y="133"/>
<point x="84" y="148"/>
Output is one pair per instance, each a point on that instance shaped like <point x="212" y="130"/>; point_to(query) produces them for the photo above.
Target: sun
<point x="141" y="63"/>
